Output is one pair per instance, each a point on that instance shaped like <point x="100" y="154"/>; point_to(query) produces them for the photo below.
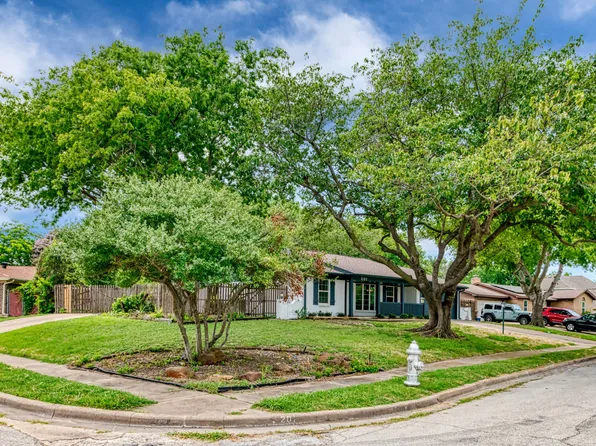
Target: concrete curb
<point x="266" y="419"/>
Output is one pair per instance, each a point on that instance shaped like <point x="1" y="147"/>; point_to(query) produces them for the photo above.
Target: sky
<point x="36" y="35"/>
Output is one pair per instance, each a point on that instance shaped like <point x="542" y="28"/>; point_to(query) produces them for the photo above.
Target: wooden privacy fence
<point x="253" y="302"/>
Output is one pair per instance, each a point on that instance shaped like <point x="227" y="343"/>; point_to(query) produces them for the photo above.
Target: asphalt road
<point x="556" y="410"/>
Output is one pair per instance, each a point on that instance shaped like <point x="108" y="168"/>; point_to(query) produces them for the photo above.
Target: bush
<point x="406" y="316"/>
<point x="135" y="303"/>
<point x="392" y="316"/>
<point x="341" y="315"/>
<point x="301" y="313"/>
<point x="37" y="293"/>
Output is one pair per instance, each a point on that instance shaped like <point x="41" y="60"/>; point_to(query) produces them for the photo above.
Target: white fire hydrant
<point x="415" y="365"/>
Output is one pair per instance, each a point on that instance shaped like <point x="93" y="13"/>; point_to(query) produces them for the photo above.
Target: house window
<point x="583" y="305"/>
<point x="324" y="292"/>
<point x="365" y="296"/>
<point x="420" y="298"/>
<point x="391" y="293"/>
<point x="525" y="305"/>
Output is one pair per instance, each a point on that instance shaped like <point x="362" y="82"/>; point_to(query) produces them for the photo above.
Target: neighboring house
<point x="362" y="287"/>
<point x="10" y="278"/>
<point x="576" y="293"/>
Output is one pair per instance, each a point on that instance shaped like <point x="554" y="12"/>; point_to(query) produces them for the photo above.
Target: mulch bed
<point x="275" y="365"/>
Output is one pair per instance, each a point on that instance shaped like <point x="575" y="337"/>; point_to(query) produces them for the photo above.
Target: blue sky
<point x="35" y="35"/>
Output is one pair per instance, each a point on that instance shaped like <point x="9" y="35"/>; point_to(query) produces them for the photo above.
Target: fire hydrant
<point x="415" y="365"/>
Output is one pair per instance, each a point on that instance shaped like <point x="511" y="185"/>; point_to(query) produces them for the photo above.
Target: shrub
<point x="37" y="293"/>
<point x="406" y="316"/>
<point x="301" y="313"/>
<point x="135" y="303"/>
<point x="312" y="314"/>
<point x="392" y="316"/>
<point x="341" y="315"/>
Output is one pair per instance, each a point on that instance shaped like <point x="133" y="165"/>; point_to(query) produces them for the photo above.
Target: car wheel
<point x="547" y="322"/>
<point x="489" y="318"/>
<point x="570" y="327"/>
<point x="524" y="321"/>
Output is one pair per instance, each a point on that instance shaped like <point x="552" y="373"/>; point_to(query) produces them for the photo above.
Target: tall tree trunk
<point x="433" y="316"/>
<point x="537" y="299"/>
<point x="440" y="316"/>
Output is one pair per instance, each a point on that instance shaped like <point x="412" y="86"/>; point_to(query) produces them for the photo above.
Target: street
<point x="559" y="409"/>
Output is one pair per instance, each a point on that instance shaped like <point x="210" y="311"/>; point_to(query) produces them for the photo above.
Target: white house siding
<point x="340" y="296"/>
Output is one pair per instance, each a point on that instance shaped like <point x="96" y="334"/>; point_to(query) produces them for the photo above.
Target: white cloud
<point x="575" y="9"/>
<point x="336" y="40"/>
<point x="31" y="40"/>
<point x="180" y="15"/>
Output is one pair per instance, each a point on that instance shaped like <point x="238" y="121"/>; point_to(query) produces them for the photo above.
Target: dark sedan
<point x="587" y="322"/>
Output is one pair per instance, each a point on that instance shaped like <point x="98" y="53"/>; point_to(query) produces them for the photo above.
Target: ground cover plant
<point x="384" y="343"/>
<point x="394" y="390"/>
<point x="32" y="385"/>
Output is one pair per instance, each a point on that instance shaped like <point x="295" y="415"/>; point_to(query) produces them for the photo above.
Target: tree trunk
<point x="439" y="322"/>
<point x="537" y="299"/>
<point x="179" y="305"/>
<point x="433" y="316"/>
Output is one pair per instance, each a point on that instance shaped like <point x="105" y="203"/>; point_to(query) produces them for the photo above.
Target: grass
<point x="35" y="386"/>
<point x="370" y="345"/>
<point x="209" y="437"/>
<point x="571" y="334"/>
<point x="394" y="390"/>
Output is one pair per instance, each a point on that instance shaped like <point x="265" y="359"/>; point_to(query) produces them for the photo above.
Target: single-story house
<point x="363" y="287"/>
<point x="12" y="277"/>
<point x="577" y="293"/>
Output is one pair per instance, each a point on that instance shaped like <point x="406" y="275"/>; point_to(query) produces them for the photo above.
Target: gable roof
<point x="568" y="288"/>
<point x="340" y="264"/>
<point x="17" y="273"/>
<point x="486" y="292"/>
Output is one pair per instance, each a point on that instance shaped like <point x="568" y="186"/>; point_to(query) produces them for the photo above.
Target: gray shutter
<point x="315" y="297"/>
<point x="384" y="293"/>
<point x="332" y="297"/>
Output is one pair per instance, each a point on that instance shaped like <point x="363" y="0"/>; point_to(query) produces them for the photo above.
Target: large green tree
<point x="122" y="111"/>
<point x="16" y="243"/>
<point x="527" y="256"/>
<point x="455" y="140"/>
<point x="182" y="233"/>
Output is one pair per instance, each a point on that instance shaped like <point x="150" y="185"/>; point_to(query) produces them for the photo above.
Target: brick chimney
<point x="476" y="280"/>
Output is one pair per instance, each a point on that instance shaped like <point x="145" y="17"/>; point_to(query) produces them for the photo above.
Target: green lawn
<point x="572" y="334"/>
<point x="394" y="390"/>
<point x="32" y="385"/>
<point x="380" y="344"/>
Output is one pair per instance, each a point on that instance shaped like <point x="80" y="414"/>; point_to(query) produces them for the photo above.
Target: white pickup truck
<point x="492" y="312"/>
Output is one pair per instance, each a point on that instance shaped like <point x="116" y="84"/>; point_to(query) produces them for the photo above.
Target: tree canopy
<point x="184" y="232"/>
<point x="123" y="111"/>
<point x="16" y="243"/>
<point x="455" y="140"/>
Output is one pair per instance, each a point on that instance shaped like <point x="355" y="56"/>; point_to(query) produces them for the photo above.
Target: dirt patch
<point x="272" y="365"/>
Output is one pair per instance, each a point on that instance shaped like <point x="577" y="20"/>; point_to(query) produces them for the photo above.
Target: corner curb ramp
<point x="267" y="419"/>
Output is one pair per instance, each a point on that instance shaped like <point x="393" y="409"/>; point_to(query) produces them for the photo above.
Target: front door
<point x="365" y="298"/>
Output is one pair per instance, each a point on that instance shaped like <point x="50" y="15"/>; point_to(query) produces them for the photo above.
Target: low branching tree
<point x="529" y="256"/>
<point x="187" y="234"/>
<point x="455" y="140"/>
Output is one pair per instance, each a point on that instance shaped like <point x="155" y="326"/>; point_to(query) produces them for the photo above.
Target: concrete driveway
<point x="22" y="322"/>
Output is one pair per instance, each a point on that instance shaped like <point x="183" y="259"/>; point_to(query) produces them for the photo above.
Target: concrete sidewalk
<point x="174" y="402"/>
<point x="28" y="321"/>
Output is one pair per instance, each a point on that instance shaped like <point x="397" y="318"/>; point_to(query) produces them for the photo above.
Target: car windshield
<point x="516" y="307"/>
<point x="573" y="313"/>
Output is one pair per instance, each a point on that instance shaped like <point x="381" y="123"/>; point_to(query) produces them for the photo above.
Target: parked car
<point x="553" y="316"/>
<point x="512" y="313"/>
<point x="587" y="322"/>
